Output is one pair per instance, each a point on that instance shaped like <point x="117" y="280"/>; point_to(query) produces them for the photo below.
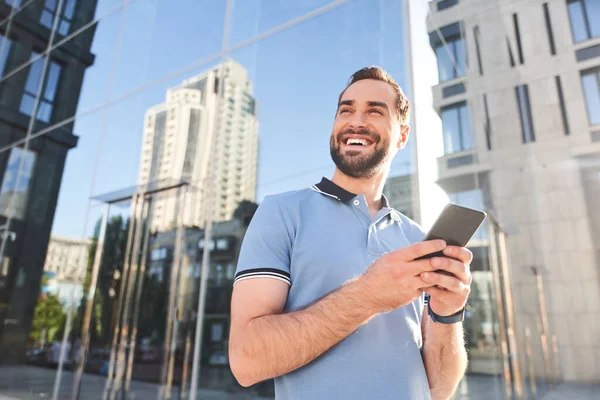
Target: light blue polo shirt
<point x="315" y="240"/>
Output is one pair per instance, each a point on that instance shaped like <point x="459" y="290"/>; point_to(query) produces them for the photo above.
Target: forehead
<point x="370" y="90"/>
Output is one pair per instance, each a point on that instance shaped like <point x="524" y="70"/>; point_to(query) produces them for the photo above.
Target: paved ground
<point x="33" y="383"/>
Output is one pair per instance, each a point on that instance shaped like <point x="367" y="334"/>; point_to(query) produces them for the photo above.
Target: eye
<point x="344" y="110"/>
<point x="376" y="111"/>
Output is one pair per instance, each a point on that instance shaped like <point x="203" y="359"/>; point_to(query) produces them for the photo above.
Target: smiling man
<point x="328" y="298"/>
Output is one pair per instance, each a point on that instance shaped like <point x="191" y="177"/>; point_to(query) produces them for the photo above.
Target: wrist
<point x="364" y="300"/>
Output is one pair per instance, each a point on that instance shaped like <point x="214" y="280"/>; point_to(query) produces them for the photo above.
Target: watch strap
<point x="449" y="319"/>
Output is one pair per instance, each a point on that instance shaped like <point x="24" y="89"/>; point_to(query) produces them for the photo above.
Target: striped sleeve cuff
<point x="263" y="273"/>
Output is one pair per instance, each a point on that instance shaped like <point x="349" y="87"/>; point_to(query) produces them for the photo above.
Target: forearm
<point x="445" y="358"/>
<point x="273" y="345"/>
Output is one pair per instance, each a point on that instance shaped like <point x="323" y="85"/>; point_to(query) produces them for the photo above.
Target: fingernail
<point x="425" y="275"/>
<point x="448" y="250"/>
<point x="435" y="262"/>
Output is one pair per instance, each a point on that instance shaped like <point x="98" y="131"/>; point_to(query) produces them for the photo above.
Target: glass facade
<point x="138" y="137"/>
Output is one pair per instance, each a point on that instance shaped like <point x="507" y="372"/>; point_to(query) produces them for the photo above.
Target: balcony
<point x="466" y="162"/>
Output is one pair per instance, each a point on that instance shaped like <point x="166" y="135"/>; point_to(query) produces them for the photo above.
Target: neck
<point x="371" y="188"/>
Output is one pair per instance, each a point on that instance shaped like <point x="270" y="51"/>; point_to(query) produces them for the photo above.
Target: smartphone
<point x="456" y="225"/>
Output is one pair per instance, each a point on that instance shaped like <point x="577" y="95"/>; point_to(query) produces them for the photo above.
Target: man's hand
<point x="449" y="293"/>
<point x="394" y="280"/>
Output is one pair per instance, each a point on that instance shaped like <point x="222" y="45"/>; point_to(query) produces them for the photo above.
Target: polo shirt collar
<point x="328" y="188"/>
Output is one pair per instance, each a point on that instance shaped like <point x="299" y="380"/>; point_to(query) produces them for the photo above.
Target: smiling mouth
<point x="357" y="142"/>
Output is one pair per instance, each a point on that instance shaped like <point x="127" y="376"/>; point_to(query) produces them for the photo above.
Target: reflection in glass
<point x="45" y="106"/>
<point x="585" y="19"/>
<point x="15" y="187"/>
<point x="452" y="59"/>
<point x="591" y="88"/>
<point x="49" y="11"/>
<point x="5" y="45"/>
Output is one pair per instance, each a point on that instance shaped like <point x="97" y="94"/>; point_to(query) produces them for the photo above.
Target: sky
<point x="297" y="75"/>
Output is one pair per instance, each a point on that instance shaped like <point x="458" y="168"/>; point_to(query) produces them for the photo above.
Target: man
<point x="328" y="298"/>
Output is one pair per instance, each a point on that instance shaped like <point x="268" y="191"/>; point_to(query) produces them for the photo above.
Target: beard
<point x="358" y="164"/>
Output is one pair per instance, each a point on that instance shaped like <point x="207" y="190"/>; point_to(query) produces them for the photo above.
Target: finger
<point x="460" y="270"/>
<point x="419" y="249"/>
<point x="447" y="282"/>
<point x="459" y="253"/>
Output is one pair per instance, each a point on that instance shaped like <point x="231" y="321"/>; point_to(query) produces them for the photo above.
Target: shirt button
<point x="356" y="202"/>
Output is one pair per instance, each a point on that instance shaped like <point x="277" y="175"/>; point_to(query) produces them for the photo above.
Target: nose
<point x="358" y="121"/>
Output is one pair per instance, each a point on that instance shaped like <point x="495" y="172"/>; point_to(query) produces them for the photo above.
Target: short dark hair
<point x="378" y="74"/>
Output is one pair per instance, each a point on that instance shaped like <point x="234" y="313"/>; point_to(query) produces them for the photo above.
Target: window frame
<point x="586" y="21"/>
<point x="451" y="44"/>
<point x="44" y="100"/>
<point x="63" y="18"/>
<point x="464" y="142"/>
<point x="594" y="72"/>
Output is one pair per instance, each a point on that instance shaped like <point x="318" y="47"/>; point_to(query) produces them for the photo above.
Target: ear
<point x="403" y="139"/>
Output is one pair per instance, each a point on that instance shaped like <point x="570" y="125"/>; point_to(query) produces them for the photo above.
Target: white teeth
<point x="362" y="142"/>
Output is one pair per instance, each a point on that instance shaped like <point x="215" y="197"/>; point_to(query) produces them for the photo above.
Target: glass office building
<point x="137" y="138"/>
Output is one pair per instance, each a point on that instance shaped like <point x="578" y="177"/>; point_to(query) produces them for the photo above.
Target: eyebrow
<point x="369" y="103"/>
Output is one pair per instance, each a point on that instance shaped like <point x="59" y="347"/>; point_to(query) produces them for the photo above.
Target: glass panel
<point x="52" y="81"/>
<point x="69" y="7"/>
<point x="593" y="14"/>
<point x="44" y="111"/>
<point x="15" y="183"/>
<point x="35" y="74"/>
<point x="64" y="27"/>
<point x="591" y="88"/>
<point x="461" y="57"/>
<point x="251" y="18"/>
<point x="47" y="19"/>
<point x="451" y="126"/>
<point x="157" y="51"/>
<point x="27" y="104"/>
<point x="5" y="46"/>
<point x="578" y="23"/>
<point x="465" y="125"/>
<point x="445" y="65"/>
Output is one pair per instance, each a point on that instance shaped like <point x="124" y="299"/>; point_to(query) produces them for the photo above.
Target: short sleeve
<point x="266" y="247"/>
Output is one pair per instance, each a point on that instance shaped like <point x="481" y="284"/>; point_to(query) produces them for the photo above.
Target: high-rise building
<point x="40" y="84"/>
<point x="206" y="135"/>
<point x="519" y="100"/>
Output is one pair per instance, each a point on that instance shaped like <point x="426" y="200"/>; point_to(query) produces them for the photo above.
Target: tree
<point x="110" y="277"/>
<point x="49" y="315"/>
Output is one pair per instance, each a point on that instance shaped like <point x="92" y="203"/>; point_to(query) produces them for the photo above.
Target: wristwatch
<point x="449" y="319"/>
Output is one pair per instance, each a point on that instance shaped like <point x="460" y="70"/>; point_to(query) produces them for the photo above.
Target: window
<point x="44" y="112"/>
<point x="15" y="188"/>
<point x="563" y="109"/>
<point x="66" y="19"/>
<point x="585" y="19"/>
<point x="549" y="29"/>
<point x="522" y="93"/>
<point x="591" y="88"/>
<point x="518" y="37"/>
<point x="5" y="45"/>
<point x="451" y="59"/>
<point x="457" y="132"/>
<point x="476" y="35"/>
<point x="488" y="125"/>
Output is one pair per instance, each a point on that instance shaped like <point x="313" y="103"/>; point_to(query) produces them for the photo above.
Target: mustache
<point x="373" y="136"/>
